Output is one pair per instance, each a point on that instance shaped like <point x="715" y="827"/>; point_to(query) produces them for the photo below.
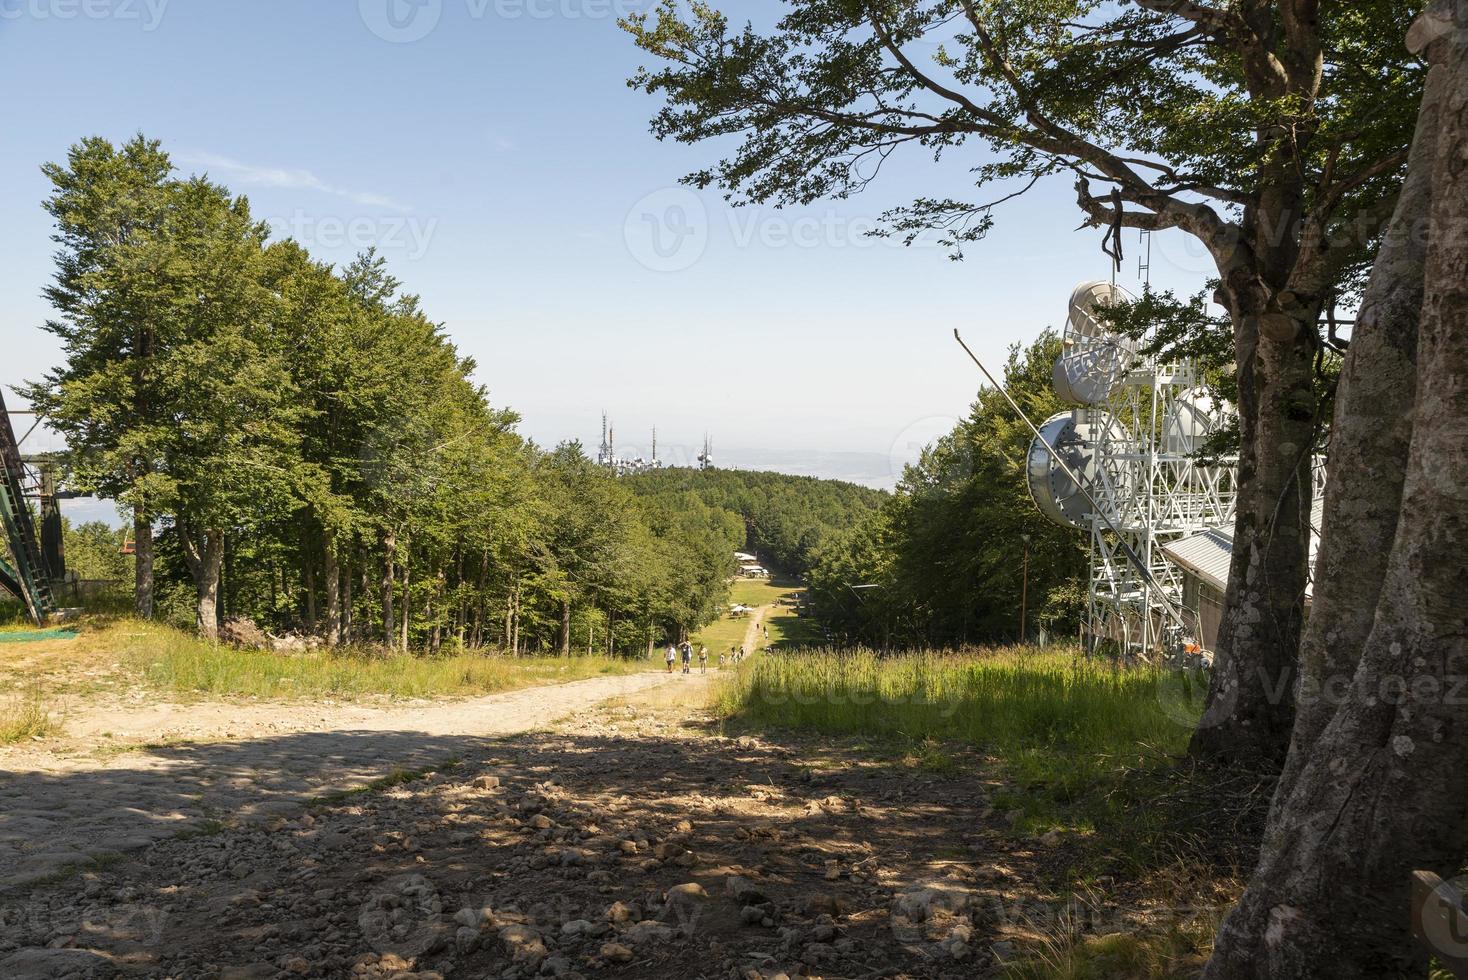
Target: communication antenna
<point x="29" y="579"/>
<point x="1081" y="484"/>
<point x="1093" y="357"/>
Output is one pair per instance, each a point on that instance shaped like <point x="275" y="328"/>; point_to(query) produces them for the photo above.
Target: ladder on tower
<point x="27" y="578"/>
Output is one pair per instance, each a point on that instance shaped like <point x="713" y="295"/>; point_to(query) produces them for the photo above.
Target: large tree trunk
<point x="142" y="563"/>
<point x="203" y="551"/>
<point x="565" y="627"/>
<point x="331" y="576"/>
<point x="1382" y="790"/>
<point x="346" y="633"/>
<point x="1250" y="706"/>
<point x="1369" y="442"/>
<point x="407" y="595"/>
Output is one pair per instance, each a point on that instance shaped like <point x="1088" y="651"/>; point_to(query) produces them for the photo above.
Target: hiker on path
<point x="672" y="655"/>
<point x="687" y="658"/>
<point x="703" y="660"/>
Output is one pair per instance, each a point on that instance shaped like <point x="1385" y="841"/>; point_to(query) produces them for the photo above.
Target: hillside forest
<point x="304" y="447"/>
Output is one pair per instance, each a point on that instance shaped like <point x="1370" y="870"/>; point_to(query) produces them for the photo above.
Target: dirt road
<point x="165" y="768"/>
<point x="632" y="839"/>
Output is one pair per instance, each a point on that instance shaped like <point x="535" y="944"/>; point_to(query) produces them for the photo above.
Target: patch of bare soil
<point x="631" y="841"/>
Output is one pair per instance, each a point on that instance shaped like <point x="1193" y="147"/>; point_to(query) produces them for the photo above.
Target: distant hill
<point x="786" y="517"/>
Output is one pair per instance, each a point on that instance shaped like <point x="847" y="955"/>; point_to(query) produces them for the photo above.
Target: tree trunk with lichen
<point x="1382" y="790"/>
<point x="1250" y="707"/>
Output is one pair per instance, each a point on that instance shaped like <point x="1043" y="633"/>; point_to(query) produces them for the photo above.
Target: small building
<point x="1204" y="559"/>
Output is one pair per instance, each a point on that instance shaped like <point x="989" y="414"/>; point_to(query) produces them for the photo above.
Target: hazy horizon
<point x="494" y="156"/>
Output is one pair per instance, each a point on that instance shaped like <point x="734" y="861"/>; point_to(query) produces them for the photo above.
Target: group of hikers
<point x="684" y="651"/>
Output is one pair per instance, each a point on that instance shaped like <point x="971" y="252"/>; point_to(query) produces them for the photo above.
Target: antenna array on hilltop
<point x="1123" y="465"/>
<point x="607" y="457"/>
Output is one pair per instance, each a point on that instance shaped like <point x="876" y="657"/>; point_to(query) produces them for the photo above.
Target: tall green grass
<point x="1061" y="725"/>
<point x="26" y="717"/>
<point x="176" y="662"/>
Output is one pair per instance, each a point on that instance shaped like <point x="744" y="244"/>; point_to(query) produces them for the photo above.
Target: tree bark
<point x="310" y="584"/>
<point x="566" y="627"/>
<point x="389" y="549"/>
<point x="203" y="552"/>
<point x="142" y="563"/>
<point x="331" y="583"/>
<point x="1383" y="791"/>
<point x="1369" y="442"/>
<point x="1250" y="707"/>
<point x="346" y="632"/>
<point x="407" y="596"/>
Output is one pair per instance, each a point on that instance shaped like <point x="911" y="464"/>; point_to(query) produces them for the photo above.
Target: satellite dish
<point x="1093" y="358"/>
<point x="1077" y="442"/>
<point x="1191" y="419"/>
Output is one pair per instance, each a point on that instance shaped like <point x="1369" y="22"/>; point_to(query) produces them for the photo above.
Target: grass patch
<point x="1085" y="747"/>
<point x="27" y="717"/>
<point x="1077" y="742"/>
<point x="175" y="662"/>
<point x="786" y="629"/>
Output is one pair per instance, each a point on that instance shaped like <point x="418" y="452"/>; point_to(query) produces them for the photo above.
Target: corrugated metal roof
<point x="1206" y="554"/>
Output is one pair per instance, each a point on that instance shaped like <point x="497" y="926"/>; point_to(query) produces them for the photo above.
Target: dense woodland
<point x="787" y="519"/>
<point x="304" y="447"/>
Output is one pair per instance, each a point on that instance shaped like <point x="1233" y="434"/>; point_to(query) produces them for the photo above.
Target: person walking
<point x="672" y="655"/>
<point x="687" y="658"/>
<point x="703" y="660"/>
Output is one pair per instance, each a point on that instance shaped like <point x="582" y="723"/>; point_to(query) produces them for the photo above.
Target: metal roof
<point x="1207" y="554"/>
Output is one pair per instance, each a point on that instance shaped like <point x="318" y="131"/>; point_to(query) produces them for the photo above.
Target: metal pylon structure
<point x="1152" y="488"/>
<point x="1125" y="467"/>
<point x="25" y="573"/>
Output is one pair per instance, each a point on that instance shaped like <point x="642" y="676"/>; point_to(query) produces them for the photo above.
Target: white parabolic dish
<point x="1077" y="443"/>
<point x="1093" y="358"/>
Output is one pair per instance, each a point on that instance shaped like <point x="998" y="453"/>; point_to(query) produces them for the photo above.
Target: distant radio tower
<point x="608" y="459"/>
<point x="706" y="458"/>
<point x="604" y="456"/>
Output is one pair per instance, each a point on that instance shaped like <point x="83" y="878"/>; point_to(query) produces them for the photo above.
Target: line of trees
<point x="303" y="445"/>
<point x="943" y="561"/>
<point x="787" y="519"/>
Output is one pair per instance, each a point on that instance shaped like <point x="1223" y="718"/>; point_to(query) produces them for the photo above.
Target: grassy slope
<point x="168" y="661"/>
<point x="1078" y="746"/>
<point x="786" y="629"/>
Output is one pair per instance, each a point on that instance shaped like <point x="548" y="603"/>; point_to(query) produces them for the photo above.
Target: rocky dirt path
<point x="84" y="797"/>
<point x="635" y="839"/>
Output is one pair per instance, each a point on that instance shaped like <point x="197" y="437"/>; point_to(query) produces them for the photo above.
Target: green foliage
<point x="1063" y="729"/>
<point x="312" y="449"/>
<point x="94" y="552"/>
<point x="784" y="519"/>
<point x="943" y="561"/>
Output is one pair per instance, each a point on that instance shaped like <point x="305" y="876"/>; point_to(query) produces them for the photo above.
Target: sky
<point x="493" y="153"/>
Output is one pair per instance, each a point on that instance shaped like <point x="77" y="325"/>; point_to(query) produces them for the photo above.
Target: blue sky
<point x="492" y="151"/>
